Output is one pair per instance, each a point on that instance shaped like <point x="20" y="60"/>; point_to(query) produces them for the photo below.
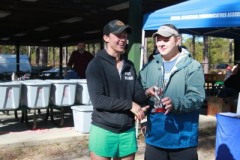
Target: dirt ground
<point x="78" y="150"/>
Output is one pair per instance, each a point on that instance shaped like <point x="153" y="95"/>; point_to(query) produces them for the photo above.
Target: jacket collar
<point x="104" y="55"/>
<point x="183" y="59"/>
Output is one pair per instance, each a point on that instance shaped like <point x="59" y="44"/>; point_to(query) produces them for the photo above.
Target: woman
<point x="115" y="94"/>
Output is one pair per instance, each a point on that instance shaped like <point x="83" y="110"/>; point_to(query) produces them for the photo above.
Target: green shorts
<point x="108" y="144"/>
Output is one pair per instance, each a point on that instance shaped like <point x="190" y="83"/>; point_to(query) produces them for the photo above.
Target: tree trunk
<point x="64" y="53"/>
<point x="44" y="56"/>
<point x="54" y="57"/>
<point x="193" y="46"/>
<point x="37" y="55"/>
<point x="205" y="54"/>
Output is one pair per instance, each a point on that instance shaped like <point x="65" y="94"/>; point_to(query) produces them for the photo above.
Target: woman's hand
<point x="138" y="111"/>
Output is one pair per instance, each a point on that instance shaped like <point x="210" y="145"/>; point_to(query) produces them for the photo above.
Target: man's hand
<point x="167" y="103"/>
<point x="151" y="91"/>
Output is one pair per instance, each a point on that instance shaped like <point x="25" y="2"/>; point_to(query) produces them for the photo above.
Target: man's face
<point x="81" y="46"/>
<point x="167" y="46"/>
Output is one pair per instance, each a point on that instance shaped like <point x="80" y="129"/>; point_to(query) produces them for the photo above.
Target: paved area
<point x="13" y="133"/>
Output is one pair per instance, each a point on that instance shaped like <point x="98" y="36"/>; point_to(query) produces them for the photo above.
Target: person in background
<point x="155" y="52"/>
<point x="116" y="95"/>
<point x="79" y="60"/>
<point x="231" y="86"/>
<point x="228" y="72"/>
<point x="174" y="82"/>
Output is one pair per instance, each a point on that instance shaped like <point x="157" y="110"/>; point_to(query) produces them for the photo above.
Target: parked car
<point x="8" y="66"/>
<point x="222" y="66"/>
<point x="54" y="73"/>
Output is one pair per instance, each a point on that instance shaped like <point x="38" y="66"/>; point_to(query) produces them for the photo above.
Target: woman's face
<point x="116" y="42"/>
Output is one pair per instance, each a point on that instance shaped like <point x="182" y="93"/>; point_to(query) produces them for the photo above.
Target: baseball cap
<point x="166" y="31"/>
<point x="116" y="27"/>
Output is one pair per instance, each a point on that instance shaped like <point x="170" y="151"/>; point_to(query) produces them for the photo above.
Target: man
<point x="174" y="81"/>
<point x="115" y="94"/>
<point x="79" y="60"/>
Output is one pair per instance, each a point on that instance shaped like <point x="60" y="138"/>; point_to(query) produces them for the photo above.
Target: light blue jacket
<point x="179" y="128"/>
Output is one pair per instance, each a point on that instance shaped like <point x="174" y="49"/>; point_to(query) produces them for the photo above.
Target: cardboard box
<point x="216" y="105"/>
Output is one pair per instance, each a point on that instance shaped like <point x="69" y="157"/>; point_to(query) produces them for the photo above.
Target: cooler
<point x="82" y="115"/>
<point x="10" y="95"/>
<point x="82" y="95"/>
<point x="63" y="92"/>
<point x="35" y="93"/>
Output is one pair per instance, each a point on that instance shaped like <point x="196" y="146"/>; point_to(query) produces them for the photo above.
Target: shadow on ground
<point x="9" y="123"/>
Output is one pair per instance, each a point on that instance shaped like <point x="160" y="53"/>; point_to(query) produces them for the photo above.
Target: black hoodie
<point x="112" y="94"/>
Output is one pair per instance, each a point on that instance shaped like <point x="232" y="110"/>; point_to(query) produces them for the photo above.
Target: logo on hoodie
<point x="128" y="76"/>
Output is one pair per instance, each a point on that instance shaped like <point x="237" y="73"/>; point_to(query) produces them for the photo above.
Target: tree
<point x="219" y="50"/>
